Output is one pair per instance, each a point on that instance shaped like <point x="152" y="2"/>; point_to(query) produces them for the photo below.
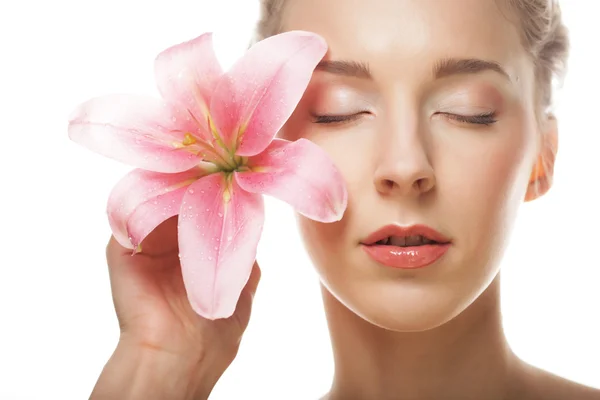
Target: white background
<point x="57" y="327"/>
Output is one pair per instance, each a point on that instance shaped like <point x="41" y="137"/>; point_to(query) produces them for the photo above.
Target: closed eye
<point x="333" y="119"/>
<point x="487" y="118"/>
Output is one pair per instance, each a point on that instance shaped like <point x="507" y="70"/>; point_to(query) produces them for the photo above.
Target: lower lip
<point x="407" y="257"/>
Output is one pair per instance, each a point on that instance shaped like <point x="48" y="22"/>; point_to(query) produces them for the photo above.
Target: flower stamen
<point x="189" y="139"/>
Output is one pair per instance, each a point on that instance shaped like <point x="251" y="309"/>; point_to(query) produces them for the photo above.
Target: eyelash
<point x="487" y="118"/>
<point x="333" y="119"/>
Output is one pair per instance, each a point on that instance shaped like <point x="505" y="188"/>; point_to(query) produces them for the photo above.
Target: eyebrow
<point x="454" y="66"/>
<point x="353" y="69"/>
<point x="442" y="68"/>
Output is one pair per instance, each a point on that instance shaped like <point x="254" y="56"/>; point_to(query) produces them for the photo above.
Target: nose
<point x="403" y="166"/>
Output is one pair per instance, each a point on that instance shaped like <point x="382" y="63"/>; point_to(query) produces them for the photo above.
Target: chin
<point x="401" y="306"/>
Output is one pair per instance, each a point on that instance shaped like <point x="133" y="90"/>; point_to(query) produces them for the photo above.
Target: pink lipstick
<point x="412" y="247"/>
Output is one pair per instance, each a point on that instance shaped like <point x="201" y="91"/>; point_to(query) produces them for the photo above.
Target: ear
<point x="542" y="174"/>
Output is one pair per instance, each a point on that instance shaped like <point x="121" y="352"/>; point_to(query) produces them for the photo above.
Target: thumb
<point x="253" y="281"/>
<point x="244" y="305"/>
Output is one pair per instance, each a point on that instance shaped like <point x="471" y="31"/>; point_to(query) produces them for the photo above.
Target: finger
<point x="117" y="257"/>
<point x="163" y="239"/>
<point x="114" y="250"/>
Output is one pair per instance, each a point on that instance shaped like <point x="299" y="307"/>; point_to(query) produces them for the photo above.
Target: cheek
<point x="485" y="185"/>
<point x="349" y="150"/>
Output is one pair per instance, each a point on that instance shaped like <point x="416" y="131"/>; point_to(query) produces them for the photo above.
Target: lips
<point x="399" y="235"/>
<point x="406" y="247"/>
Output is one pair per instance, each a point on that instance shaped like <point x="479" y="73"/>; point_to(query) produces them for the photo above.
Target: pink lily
<point x="207" y="153"/>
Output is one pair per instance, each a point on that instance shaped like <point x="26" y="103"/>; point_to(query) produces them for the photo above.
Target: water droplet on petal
<point x="220" y="215"/>
<point x="191" y="191"/>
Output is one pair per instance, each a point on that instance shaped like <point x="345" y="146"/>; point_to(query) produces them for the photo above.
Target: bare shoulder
<point x="536" y="383"/>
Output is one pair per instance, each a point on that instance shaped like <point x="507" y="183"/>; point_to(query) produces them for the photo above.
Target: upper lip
<point x="404" y="231"/>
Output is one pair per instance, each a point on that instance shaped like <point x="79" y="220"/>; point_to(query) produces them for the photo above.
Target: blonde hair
<point x="544" y="37"/>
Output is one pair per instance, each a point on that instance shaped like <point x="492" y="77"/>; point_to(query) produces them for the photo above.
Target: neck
<point x="467" y="357"/>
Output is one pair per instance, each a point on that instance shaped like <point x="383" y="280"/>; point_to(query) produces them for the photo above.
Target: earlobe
<point x="542" y="174"/>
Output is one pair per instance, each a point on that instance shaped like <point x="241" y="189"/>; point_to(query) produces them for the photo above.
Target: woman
<point x="436" y="113"/>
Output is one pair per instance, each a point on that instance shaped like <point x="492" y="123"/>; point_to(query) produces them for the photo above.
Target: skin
<point x="165" y="350"/>
<point x="434" y="333"/>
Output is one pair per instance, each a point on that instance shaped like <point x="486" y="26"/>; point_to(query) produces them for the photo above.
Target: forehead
<point x="409" y="32"/>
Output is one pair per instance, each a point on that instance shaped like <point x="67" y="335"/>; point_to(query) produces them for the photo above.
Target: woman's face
<point x="407" y="78"/>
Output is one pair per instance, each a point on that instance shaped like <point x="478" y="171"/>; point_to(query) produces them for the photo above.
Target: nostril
<point x="424" y="184"/>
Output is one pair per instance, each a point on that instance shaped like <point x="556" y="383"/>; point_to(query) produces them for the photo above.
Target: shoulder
<point x="535" y="383"/>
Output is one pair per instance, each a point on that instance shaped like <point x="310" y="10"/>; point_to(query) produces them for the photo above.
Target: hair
<point x="543" y="35"/>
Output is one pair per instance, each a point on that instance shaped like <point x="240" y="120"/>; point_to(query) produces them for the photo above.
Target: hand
<point x="154" y="312"/>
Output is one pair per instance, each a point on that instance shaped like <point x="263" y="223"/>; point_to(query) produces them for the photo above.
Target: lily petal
<point x="187" y="74"/>
<point x="256" y="97"/>
<point x="219" y="229"/>
<point x="301" y="174"/>
<point x="142" y="199"/>
<point x="137" y="130"/>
